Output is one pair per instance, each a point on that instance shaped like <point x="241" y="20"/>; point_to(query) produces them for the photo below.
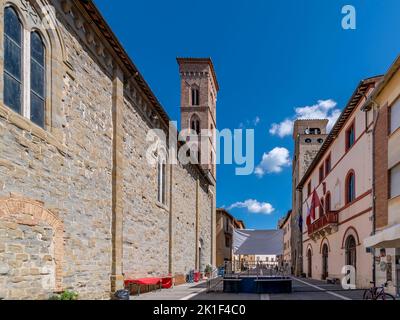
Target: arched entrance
<point x="351" y="251"/>
<point x="325" y="254"/>
<point x="43" y="233"/>
<point x="309" y="263"/>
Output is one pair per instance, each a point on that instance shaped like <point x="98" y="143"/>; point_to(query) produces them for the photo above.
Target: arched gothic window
<point x="195" y="97"/>
<point x="350" y="188"/>
<point x="24" y="75"/>
<point x="38" y="89"/>
<point x="13" y="85"/>
<point x="195" y="124"/>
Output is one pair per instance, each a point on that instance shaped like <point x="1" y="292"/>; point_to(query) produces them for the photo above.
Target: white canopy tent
<point x="258" y="242"/>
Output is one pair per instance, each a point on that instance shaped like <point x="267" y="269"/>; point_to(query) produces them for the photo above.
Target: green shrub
<point x="66" y="295"/>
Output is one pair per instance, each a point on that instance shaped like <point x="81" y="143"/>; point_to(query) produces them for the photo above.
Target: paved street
<point x="306" y="289"/>
<point x="183" y="292"/>
<point x="303" y="289"/>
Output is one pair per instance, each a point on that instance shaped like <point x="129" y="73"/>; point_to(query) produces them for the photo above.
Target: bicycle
<point x="378" y="293"/>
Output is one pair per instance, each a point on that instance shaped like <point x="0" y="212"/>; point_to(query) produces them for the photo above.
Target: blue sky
<point x="270" y="57"/>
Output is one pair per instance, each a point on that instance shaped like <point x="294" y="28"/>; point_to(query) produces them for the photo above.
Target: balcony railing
<point x="325" y="224"/>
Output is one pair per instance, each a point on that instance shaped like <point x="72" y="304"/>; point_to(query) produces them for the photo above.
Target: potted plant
<point x="208" y="271"/>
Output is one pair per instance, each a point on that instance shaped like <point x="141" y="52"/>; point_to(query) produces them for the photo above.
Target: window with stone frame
<point x="161" y="181"/>
<point x="328" y="202"/>
<point x="195" y="124"/>
<point x="24" y="76"/>
<point x="328" y="165"/>
<point x="350" y="136"/>
<point x="350" y="187"/>
<point x="195" y="97"/>
<point x="321" y="174"/>
<point x="394" y="113"/>
<point x="13" y="43"/>
<point x="37" y="83"/>
<point x="226" y="224"/>
<point x="394" y="177"/>
<point x="314" y="131"/>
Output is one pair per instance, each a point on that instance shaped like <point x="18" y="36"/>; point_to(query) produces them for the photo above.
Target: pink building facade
<point x="341" y="175"/>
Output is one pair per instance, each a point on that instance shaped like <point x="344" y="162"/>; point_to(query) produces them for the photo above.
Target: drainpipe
<point x="370" y="101"/>
<point x="171" y="221"/>
<point x="301" y="233"/>
<point x="373" y="186"/>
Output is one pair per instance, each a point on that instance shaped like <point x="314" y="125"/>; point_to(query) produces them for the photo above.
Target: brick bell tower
<point x="199" y="89"/>
<point x="308" y="136"/>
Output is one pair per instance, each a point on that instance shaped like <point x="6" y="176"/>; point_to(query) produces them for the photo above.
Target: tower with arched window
<point x="309" y="136"/>
<point x="199" y="89"/>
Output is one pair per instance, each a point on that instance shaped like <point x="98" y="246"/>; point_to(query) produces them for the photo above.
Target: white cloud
<point x="273" y="162"/>
<point x="255" y="122"/>
<point x="324" y="109"/>
<point x="283" y="129"/>
<point x="254" y="206"/>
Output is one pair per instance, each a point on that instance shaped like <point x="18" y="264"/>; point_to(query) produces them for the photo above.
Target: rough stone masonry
<point x="78" y="200"/>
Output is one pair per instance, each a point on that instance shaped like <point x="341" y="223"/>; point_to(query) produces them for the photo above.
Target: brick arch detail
<point x="350" y="231"/>
<point x="309" y="248"/>
<point x="28" y="212"/>
<point x="323" y="242"/>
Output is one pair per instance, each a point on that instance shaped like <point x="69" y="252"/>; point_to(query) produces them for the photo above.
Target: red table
<point x="167" y="282"/>
<point x="143" y="282"/>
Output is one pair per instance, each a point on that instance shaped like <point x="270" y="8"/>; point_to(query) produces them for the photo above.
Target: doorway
<point x="325" y="254"/>
<point x="309" y="259"/>
<point x="351" y="252"/>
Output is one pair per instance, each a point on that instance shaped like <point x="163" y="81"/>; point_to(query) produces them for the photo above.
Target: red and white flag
<point x="315" y="203"/>
<point x="308" y="220"/>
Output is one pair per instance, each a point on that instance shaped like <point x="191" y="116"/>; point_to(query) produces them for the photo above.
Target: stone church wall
<point x="58" y="234"/>
<point x="146" y="223"/>
<point x="71" y="175"/>
<point x="184" y="206"/>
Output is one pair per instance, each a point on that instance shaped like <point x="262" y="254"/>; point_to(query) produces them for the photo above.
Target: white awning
<point x="387" y="238"/>
<point x="258" y="242"/>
